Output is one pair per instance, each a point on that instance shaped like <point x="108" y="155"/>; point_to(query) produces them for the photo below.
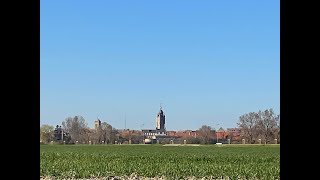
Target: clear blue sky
<point x="207" y="62"/>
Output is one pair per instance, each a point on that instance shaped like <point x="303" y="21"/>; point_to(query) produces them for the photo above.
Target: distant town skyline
<point x="91" y="124"/>
<point x="206" y="63"/>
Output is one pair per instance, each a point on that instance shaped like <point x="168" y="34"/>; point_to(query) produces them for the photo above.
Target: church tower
<point x="97" y="124"/>
<point x="160" y="121"/>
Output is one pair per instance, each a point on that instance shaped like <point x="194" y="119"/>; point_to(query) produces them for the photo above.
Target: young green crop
<point x="248" y="162"/>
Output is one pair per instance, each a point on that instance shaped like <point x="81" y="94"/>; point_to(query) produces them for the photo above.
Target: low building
<point x="149" y="133"/>
<point x="186" y="133"/>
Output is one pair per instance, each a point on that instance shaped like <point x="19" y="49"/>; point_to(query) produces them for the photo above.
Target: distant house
<point x="221" y="134"/>
<point x="186" y="133"/>
<point x="59" y="134"/>
<point x="231" y="133"/>
<point x="234" y="134"/>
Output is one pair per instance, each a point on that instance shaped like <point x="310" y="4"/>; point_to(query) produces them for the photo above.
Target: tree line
<point x="263" y="125"/>
<point x="75" y="130"/>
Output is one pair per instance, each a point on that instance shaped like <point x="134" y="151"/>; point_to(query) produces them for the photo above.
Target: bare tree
<point x="249" y="124"/>
<point x="205" y="134"/>
<point x="277" y="132"/>
<point x="106" y="132"/>
<point x="133" y="136"/>
<point x="46" y="133"/>
<point x="114" y="135"/>
<point x="76" y="127"/>
<point x="136" y="137"/>
<point x="103" y="133"/>
<point x="126" y="135"/>
<point x="97" y="136"/>
<point x="88" y="135"/>
<point x="267" y="124"/>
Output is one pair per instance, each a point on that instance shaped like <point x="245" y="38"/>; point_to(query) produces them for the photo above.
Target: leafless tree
<point x="88" y="135"/>
<point x="249" y="125"/>
<point x="114" y="135"/>
<point x="103" y="133"/>
<point x="135" y="137"/>
<point x="106" y="130"/>
<point x="205" y="134"/>
<point x="277" y="132"/>
<point x="97" y="136"/>
<point x="267" y="124"/>
<point x="76" y="127"/>
<point x="126" y="135"/>
<point x="46" y="133"/>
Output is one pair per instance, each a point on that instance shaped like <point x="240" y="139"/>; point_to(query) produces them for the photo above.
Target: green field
<point x="84" y="161"/>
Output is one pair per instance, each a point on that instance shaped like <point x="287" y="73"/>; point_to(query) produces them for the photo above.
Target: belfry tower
<point x="97" y="124"/>
<point x="160" y="121"/>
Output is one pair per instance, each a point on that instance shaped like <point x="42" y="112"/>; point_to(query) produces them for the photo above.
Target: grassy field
<point x="84" y="161"/>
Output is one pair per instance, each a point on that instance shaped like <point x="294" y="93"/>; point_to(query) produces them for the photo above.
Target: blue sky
<point x="207" y="62"/>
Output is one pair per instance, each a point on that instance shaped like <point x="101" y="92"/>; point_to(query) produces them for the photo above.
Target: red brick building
<point x="230" y="133"/>
<point x="182" y="133"/>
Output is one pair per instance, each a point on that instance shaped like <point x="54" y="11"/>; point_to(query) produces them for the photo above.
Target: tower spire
<point x="160" y="120"/>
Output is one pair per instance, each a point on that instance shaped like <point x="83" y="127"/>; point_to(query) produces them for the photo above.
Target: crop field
<point x="166" y="162"/>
